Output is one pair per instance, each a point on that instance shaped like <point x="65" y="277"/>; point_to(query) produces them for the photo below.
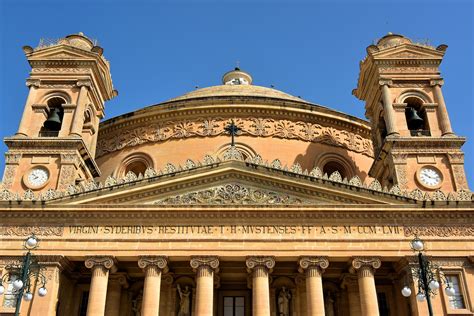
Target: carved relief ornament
<point x="258" y="127"/>
<point x="231" y="194"/>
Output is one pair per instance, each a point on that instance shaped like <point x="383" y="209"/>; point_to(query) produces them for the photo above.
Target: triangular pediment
<point x="60" y="52"/>
<point x="409" y="51"/>
<point x="235" y="183"/>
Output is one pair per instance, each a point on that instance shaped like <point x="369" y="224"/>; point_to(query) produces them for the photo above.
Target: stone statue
<point x="184" y="301"/>
<point x="329" y="305"/>
<point x="284" y="302"/>
<point x="137" y="304"/>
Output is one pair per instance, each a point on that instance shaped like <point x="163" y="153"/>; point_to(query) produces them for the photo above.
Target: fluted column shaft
<point x="205" y="268"/>
<point x="314" y="292"/>
<point x="260" y="268"/>
<point x="389" y="112"/>
<point x="313" y="268"/>
<point x="442" y="113"/>
<point x="100" y="267"/>
<point x="204" y="291"/>
<point x="368" y="294"/>
<point x="154" y="267"/>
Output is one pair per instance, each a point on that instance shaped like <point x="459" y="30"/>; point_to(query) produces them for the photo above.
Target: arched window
<point x="53" y="123"/>
<point x="331" y="162"/>
<point x="137" y="163"/>
<point x="416" y="118"/>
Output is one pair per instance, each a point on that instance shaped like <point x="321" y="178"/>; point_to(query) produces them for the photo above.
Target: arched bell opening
<point x="416" y="118"/>
<point x="53" y="123"/>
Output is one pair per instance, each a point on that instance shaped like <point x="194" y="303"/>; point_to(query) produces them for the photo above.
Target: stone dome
<point x="237" y="91"/>
<point x="391" y="39"/>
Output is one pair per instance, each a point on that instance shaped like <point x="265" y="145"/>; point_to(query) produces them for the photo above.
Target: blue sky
<point x="312" y="49"/>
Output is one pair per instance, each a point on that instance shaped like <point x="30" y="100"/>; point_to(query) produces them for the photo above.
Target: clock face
<point x="430" y="177"/>
<point x="37" y="177"/>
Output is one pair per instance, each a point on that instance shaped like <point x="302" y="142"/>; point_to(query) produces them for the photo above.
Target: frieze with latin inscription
<point x="236" y="231"/>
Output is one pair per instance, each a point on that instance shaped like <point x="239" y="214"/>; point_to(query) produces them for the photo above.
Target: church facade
<point x="237" y="199"/>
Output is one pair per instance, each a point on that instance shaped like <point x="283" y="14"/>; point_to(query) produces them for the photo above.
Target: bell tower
<point x="414" y="144"/>
<point x="56" y="140"/>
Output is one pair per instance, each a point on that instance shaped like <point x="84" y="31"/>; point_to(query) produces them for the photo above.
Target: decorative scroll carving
<point x="231" y="194"/>
<point x="208" y="261"/>
<point x="29" y="230"/>
<point x="319" y="262"/>
<point x="371" y="262"/>
<point x="106" y="262"/>
<point x="439" y="231"/>
<point x="254" y="261"/>
<point x="259" y="127"/>
<point x="161" y="262"/>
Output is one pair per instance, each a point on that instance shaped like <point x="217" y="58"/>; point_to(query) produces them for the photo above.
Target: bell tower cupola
<point x="414" y="144"/>
<point x="55" y="145"/>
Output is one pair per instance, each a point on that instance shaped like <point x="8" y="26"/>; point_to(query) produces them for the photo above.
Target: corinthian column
<point x="260" y="267"/>
<point x="153" y="266"/>
<point x="98" y="289"/>
<point x="365" y="268"/>
<point x="205" y="268"/>
<point x="313" y="267"/>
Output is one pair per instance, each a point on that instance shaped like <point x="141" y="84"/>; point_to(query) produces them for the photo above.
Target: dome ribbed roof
<point x="237" y="91"/>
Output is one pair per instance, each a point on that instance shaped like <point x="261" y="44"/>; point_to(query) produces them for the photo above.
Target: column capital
<point x="362" y="262"/>
<point x="320" y="263"/>
<point x="255" y="261"/>
<point x="211" y="262"/>
<point x="84" y="83"/>
<point x="108" y="262"/>
<point x="436" y="82"/>
<point x="385" y="82"/>
<point x="33" y="83"/>
<point x="161" y="262"/>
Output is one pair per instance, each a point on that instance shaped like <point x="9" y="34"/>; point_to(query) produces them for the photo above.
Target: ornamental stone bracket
<point x="210" y="262"/>
<point x="106" y="262"/>
<point x="268" y="262"/>
<point x="305" y="263"/>
<point x="158" y="262"/>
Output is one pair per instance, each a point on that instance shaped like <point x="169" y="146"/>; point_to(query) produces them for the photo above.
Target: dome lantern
<point x="237" y="77"/>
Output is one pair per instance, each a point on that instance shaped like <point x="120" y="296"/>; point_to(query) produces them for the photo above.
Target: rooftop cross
<point x="232" y="129"/>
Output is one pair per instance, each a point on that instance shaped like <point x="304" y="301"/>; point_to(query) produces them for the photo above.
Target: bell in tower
<point x="400" y="83"/>
<point x="69" y="83"/>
